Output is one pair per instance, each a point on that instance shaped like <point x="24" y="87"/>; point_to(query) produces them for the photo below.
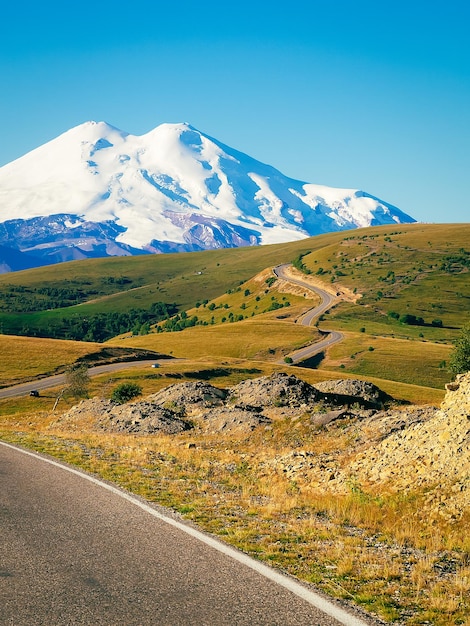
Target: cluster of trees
<point x="277" y="305"/>
<point x="99" y="327"/>
<point x="103" y="326"/>
<point x="21" y="299"/>
<point x="179" y="322"/>
<point x="300" y="265"/>
<point x="27" y="299"/>
<point x="413" y="320"/>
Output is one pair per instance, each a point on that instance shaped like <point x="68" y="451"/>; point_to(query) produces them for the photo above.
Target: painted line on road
<point x="342" y="616"/>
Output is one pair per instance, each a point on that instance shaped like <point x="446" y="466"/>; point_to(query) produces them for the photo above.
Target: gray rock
<point x="279" y="389"/>
<point x="353" y="391"/>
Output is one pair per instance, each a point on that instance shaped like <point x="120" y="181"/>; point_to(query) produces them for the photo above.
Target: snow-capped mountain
<point x="97" y="191"/>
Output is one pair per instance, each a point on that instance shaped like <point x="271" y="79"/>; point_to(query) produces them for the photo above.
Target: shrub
<point x="125" y="392"/>
<point x="77" y="380"/>
<point x="459" y="362"/>
<point x="411" y="320"/>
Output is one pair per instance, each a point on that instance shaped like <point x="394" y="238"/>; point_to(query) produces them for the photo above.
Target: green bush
<point x="125" y="392"/>
<point x="459" y="362"/>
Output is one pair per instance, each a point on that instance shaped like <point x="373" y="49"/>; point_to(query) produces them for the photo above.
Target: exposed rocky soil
<point x="390" y="447"/>
<point x="428" y="453"/>
<point x="189" y="395"/>
<point x="353" y="392"/>
<point x="276" y="390"/>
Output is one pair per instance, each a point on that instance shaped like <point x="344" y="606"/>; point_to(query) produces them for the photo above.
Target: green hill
<point x="409" y="287"/>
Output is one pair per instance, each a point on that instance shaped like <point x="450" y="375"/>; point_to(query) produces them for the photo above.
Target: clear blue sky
<point x="366" y="94"/>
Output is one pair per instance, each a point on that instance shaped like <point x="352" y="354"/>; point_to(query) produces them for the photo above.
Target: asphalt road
<point x="307" y="319"/>
<point x="59" y="379"/>
<point x="77" y="551"/>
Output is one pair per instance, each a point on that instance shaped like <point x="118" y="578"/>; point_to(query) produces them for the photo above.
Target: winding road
<point x="332" y="337"/>
<point x="78" y="551"/>
<point x="307" y="319"/>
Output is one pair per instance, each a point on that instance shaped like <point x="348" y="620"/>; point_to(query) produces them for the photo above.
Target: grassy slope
<point x="182" y="278"/>
<point x="375" y="345"/>
<point x="419" y="269"/>
<point x="393" y="269"/>
<point x="406" y="270"/>
<point x="25" y="358"/>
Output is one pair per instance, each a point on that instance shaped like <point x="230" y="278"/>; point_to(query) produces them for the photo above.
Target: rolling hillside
<point x="409" y="291"/>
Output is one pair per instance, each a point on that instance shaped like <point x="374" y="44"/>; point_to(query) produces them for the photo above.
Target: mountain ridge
<point x="98" y="191"/>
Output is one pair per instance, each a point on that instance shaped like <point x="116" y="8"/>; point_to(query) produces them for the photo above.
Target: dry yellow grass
<point x="249" y="339"/>
<point x="408" y="361"/>
<point x="25" y="358"/>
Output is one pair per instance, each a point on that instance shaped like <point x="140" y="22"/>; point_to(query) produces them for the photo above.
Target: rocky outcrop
<point x="182" y="396"/>
<point x="350" y="391"/>
<point x="243" y="407"/>
<point x="404" y="449"/>
<point x="144" y="418"/>
<point x="276" y="390"/>
<point x="434" y="452"/>
<point x="226" y="419"/>
<point x="137" y="417"/>
<point x="85" y="414"/>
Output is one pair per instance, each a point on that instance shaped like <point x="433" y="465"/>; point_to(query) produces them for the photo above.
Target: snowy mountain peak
<point x="96" y="190"/>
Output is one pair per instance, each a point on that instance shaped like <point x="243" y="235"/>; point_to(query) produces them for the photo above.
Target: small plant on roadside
<point x="125" y="392"/>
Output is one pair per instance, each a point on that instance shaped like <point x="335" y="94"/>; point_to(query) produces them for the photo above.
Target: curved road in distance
<point x="78" y="551"/>
<point x="327" y="301"/>
<point x="59" y="379"/>
<point x="307" y="318"/>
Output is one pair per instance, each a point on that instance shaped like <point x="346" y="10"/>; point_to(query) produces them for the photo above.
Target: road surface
<point x="59" y="379"/>
<point x="307" y="319"/>
<point x="76" y="551"/>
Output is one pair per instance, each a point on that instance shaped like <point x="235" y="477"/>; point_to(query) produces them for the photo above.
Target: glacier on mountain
<point x="98" y="191"/>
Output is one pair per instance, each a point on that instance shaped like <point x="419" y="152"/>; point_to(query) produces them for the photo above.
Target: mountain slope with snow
<point x="97" y="191"/>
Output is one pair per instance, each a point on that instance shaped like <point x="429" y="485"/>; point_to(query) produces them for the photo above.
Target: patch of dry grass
<point x="414" y="362"/>
<point x="257" y="338"/>
<point x="26" y="358"/>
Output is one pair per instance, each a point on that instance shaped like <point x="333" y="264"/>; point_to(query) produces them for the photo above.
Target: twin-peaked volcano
<point x="97" y="191"/>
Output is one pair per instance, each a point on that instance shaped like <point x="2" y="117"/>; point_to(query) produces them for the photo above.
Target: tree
<point x="459" y="361"/>
<point x="125" y="392"/>
<point x="411" y="320"/>
<point x="77" y="380"/>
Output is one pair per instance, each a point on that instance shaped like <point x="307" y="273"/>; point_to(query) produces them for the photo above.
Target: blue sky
<point x="365" y="94"/>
